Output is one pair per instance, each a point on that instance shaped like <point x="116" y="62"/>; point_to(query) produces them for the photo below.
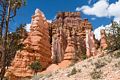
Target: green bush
<point x="36" y="66"/>
<point x="83" y="56"/>
<point x="113" y="36"/>
<point x="74" y="71"/>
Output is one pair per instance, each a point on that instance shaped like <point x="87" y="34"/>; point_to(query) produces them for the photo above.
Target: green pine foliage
<point x="113" y="36"/>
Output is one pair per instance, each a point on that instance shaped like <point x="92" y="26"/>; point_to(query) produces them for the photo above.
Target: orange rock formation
<point x="103" y="40"/>
<point x="37" y="47"/>
<point x="67" y="36"/>
<point x="70" y="53"/>
<point x="90" y="44"/>
<point x="68" y="22"/>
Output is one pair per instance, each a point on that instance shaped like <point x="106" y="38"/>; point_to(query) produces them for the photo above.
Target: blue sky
<point x="97" y="11"/>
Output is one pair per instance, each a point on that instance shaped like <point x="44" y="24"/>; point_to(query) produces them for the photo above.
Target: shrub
<point x="74" y="71"/>
<point x="117" y="65"/>
<point x="36" y="66"/>
<point x="116" y="55"/>
<point x="100" y="64"/>
<point x="96" y="74"/>
<point x="83" y="56"/>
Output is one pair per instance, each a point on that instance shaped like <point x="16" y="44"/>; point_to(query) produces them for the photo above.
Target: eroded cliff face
<point x="68" y="23"/>
<point x="36" y="47"/>
<point x="58" y="44"/>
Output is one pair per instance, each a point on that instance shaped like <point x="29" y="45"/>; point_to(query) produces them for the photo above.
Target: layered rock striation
<point x="68" y="22"/>
<point x="90" y="44"/>
<point x="58" y="44"/>
<point x="70" y="53"/>
<point x="36" y="47"/>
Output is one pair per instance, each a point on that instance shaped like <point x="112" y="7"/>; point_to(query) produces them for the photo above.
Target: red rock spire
<point x="37" y="47"/>
<point x="103" y="40"/>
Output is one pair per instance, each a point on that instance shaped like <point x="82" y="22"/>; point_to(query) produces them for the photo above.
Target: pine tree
<point x="9" y="9"/>
<point x="113" y="36"/>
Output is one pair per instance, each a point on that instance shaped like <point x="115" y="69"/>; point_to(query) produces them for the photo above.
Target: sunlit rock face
<point x="70" y="53"/>
<point x="36" y="47"/>
<point x="68" y="23"/>
<point x="90" y="44"/>
<point x="58" y="46"/>
<point x="67" y="35"/>
<point x="103" y="40"/>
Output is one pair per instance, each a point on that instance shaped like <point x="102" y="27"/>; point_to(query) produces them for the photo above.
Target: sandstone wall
<point x="36" y="47"/>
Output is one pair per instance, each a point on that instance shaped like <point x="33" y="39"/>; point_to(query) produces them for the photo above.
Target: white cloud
<point x="78" y="9"/>
<point x="117" y="19"/>
<point x="27" y="27"/>
<point x="93" y="18"/>
<point x="97" y="30"/>
<point x="99" y="9"/>
<point x="114" y="10"/>
<point x="102" y="8"/>
<point x="49" y="21"/>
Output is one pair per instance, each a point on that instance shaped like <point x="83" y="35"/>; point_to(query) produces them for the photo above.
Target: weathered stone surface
<point x="90" y="43"/>
<point x="70" y="53"/>
<point x="103" y="40"/>
<point x="68" y="38"/>
<point x="68" y="22"/>
<point x="58" y="46"/>
<point x="37" y="47"/>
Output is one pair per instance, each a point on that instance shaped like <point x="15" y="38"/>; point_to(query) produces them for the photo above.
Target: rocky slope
<point x="101" y="67"/>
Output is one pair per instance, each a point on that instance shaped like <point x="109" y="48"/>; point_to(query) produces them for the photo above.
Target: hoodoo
<point x="36" y="47"/>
